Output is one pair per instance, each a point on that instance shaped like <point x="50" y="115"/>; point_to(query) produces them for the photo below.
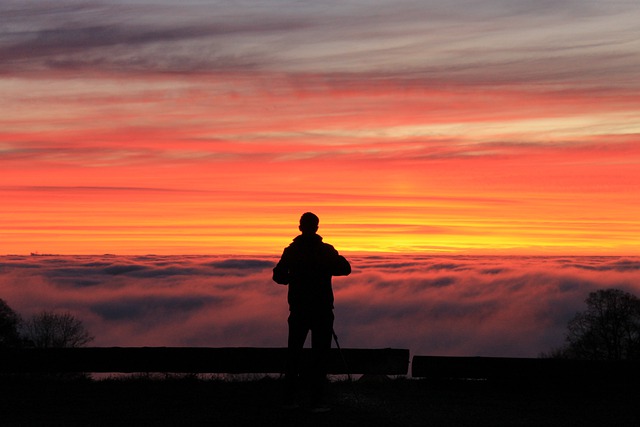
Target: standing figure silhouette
<point x="307" y="266"/>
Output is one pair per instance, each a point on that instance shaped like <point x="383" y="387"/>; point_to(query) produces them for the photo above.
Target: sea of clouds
<point x="432" y="305"/>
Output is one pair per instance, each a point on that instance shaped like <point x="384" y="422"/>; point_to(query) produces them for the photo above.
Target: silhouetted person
<point x="307" y="265"/>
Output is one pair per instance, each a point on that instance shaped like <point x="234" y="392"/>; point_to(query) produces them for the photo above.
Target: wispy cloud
<point x="123" y="38"/>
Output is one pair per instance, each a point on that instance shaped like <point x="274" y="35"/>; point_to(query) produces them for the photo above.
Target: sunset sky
<point x="206" y="127"/>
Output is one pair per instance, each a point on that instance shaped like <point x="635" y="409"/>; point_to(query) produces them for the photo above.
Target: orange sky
<point x="172" y="136"/>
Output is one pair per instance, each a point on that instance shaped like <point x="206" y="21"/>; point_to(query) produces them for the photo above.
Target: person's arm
<point x="281" y="271"/>
<point x="338" y="265"/>
<point x="341" y="266"/>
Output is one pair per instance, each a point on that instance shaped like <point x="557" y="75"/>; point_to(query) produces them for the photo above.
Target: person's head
<point x="309" y="223"/>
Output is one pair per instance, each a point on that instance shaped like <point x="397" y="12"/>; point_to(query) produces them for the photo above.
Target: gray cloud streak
<point x="464" y="42"/>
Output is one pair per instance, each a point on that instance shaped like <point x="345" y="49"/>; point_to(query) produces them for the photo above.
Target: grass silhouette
<point x="195" y="401"/>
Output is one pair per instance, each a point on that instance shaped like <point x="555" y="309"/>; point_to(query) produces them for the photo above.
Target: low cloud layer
<point x="433" y="305"/>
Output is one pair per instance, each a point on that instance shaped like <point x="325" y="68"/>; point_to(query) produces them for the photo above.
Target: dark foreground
<point x="400" y="402"/>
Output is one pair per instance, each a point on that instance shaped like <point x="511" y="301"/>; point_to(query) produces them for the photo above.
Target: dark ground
<point x="189" y="401"/>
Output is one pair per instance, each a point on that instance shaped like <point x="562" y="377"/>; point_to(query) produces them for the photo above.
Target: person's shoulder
<point x="328" y="247"/>
<point x="296" y="244"/>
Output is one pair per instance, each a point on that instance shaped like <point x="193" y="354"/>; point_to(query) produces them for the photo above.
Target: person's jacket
<point x="307" y="265"/>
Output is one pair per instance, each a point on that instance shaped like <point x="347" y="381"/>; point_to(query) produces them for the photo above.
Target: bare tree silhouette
<point x="609" y="329"/>
<point x="55" y="330"/>
<point x="9" y="324"/>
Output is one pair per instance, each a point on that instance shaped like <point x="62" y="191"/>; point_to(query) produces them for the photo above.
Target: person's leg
<point x="321" y="335"/>
<point x="298" y="330"/>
